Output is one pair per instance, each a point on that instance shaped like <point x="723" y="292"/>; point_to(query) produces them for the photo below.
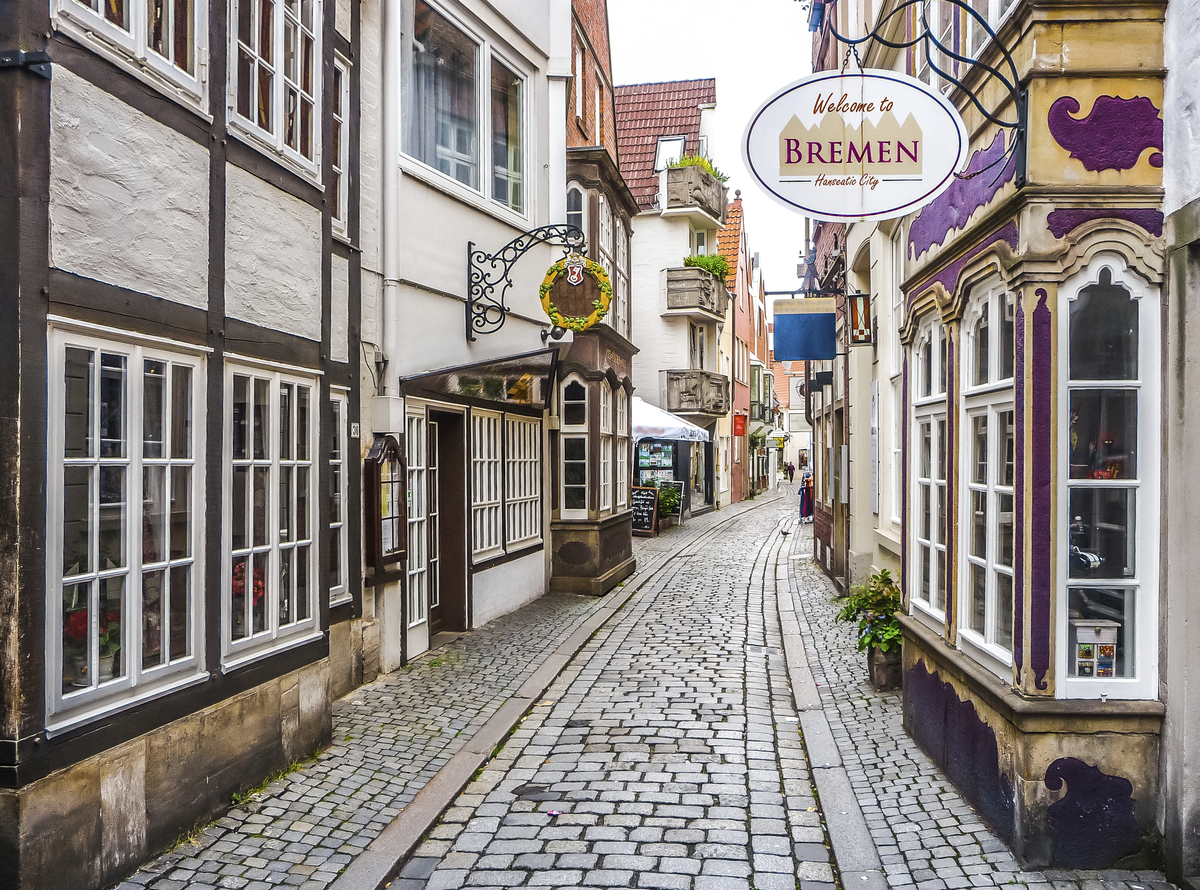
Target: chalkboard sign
<point x="644" y="502"/>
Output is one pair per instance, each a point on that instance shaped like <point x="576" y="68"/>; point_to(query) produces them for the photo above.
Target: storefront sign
<point x="873" y="144"/>
<point x="576" y="293"/>
<point x="739" y="424"/>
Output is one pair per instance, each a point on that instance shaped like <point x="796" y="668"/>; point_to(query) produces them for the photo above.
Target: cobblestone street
<point x="715" y="733"/>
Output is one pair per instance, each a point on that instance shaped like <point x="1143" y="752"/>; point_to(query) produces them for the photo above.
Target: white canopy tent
<point x="653" y="423"/>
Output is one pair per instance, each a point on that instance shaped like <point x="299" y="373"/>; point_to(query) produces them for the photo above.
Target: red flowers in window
<point x="239" y="581"/>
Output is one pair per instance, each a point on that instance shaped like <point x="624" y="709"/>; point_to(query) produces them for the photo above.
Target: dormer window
<point x="670" y="149"/>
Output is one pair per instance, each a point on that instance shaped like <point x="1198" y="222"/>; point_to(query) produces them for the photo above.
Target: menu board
<point x="644" y="502"/>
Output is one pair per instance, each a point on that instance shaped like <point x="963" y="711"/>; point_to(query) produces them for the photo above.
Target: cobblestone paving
<point x="666" y="755"/>
<point x="926" y="834"/>
<point x="390" y="737"/>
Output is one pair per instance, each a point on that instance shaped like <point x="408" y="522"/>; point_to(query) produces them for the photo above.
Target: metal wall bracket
<point x="487" y="310"/>
<point x="38" y="62"/>
<point x="1009" y="78"/>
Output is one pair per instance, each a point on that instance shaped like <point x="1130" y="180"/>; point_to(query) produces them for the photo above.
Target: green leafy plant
<point x="702" y="162"/>
<point x="713" y="263"/>
<point x="668" y="500"/>
<point x="758" y="439"/>
<point x="874" y="606"/>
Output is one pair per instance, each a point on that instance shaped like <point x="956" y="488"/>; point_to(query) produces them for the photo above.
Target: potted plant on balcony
<point x="874" y="606"/>
<point x="702" y="162"/>
<point x="712" y="263"/>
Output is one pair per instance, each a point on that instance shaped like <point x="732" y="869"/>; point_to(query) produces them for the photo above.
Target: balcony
<point x="693" y="291"/>
<point x="697" y="392"/>
<point x="697" y="194"/>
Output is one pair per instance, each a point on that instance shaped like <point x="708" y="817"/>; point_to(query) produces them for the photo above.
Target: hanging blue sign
<point x="805" y="330"/>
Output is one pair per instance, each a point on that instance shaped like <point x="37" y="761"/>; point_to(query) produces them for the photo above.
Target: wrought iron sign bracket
<point x="489" y="276"/>
<point x="1008" y="78"/>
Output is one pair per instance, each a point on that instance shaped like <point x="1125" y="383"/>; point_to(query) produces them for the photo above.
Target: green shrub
<point x="702" y="162"/>
<point x="873" y="606"/>
<point x="713" y="263"/>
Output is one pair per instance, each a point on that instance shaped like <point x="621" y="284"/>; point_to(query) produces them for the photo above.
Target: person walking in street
<point x="806" y="497"/>
<point x="791" y="471"/>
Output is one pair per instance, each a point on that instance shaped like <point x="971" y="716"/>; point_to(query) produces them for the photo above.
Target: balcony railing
<point x="691" y="391"/>
<point x="691" y="289"/>
<point x="694" y="189"/>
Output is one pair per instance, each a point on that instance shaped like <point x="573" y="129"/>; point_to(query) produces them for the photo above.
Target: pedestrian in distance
<point x="791" y="471"/>
<point x="806" y="497"/>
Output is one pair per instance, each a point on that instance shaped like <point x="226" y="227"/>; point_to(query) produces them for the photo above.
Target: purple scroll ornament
<point x="1113" y="136"/>
<point x="949" y="275"/>
<point x="1059" y="222"/>
<point x="952" y="208"/>
<point x="1019" y="490"/>
<point x="1041" y="504"/>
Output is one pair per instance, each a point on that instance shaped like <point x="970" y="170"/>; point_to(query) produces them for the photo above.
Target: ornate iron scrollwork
<point x="486" y="311"/>
<point x="1010" y="80"/>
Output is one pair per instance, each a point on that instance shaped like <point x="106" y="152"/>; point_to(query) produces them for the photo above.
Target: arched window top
<point x="990" y="325"/>
<point x="575" y="207"/>
<point x="1104" y="332"/>
<point x="574" y="403"/>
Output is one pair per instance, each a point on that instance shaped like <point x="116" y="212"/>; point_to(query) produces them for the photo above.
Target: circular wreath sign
<point x="576" y="293"/>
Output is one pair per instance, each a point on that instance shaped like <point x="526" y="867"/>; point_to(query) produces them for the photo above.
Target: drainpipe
<point x="393" y="37"/>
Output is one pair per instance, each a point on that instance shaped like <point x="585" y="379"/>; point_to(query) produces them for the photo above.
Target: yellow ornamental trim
<point x="599" y="307"/>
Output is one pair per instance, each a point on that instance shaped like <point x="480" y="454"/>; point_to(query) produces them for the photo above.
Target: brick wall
<point x="591" y="33"/>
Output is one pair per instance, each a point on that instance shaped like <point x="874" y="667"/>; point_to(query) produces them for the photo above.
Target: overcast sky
<point x="752" y="48"/>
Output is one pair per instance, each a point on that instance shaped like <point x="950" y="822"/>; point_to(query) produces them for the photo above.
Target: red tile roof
<point x="646" y="111"/>
<point x="729" y="239"/>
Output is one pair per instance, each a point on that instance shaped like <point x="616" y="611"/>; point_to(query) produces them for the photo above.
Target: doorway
<point x="446" y="521"/>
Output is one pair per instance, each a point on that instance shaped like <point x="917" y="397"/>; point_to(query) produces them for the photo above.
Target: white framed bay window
<point x="337" y="578"/>
<point x="270" y="482"/>
<point x="274" y="94"/>
<point x="929" y="465"/>
<point x="622" y="447"/>
<point x="1108" y="507"/>
<point x="163" y="42"/>
<point x="463" y="106"/>
<point x="506" y="484"/>
<point x="987" y="490"/>
<point x="573" y="445"/>
<point x="125" y="523"/>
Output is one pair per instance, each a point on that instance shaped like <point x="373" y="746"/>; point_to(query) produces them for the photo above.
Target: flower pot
<point x="107" y="667"/>
<point x="883" y="668"/>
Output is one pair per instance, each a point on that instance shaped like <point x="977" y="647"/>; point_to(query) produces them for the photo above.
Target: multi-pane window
<point x="442" y="126"/>
<point x="124" y="524"/>
<point x="275" y="78"/>
<point x="574" y="446"/>
<point x="167" y="37"/>
<point x="929" y="471"/>
<point x="523" y="480"/>
<point x="1110" y="414"/>
<point x="418" y="568"/>
<point x="487" y="496"/>
<point x="575" y="207"/>
<point x="620" y="301"/>
<point x="337" y="570"/>
<point x="606" y="446"/>
<point x="622" y="447"/>
<point x="271" y="435"/>
<point x="339" y="182"/>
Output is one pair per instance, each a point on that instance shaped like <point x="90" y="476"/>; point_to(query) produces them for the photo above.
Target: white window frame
<point x="274" y="141"/>
<point x="897" y="446"/>
<point x="580" y="67"/>
<point x="669" y="149"/>
<point x="622" y="447"/>
<point x="929" y="410"/>
<point x="131" y="49"/>
<point x="339" y="460"/>
<point x="1144" y="682"/>
<point x="573" y="431"/>
<point x="341" y="163"/>
<point x="137" y="684"/>
<point x="487" y="484"/>
<point x="487" y="49"/>
<point x="416" y="587"/>
<point x="619" y="317"/>
<point x="523" y="481"/>
<point x="274" y="638"/>
<point x="583" y="206"/>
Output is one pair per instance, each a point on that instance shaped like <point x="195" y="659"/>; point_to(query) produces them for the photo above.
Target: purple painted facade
<point x="904" y="488"/>
<point x="1041" y="525"/>
<point x="1094" y="823"/>
<point x="952" y="208"/>
<point x="1019" y="493"/>
<point x="951" y="471"/>
<point x="1112" y="136"/>
<point x="948" y="276"/>
<point x="1060" y="222"/>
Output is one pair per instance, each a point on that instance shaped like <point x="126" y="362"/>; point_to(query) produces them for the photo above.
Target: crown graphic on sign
<point x="835" y="148"/>
<point x="575" y="263"/>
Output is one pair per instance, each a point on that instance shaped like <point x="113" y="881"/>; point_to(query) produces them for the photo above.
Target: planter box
<point x="883" y="669"/>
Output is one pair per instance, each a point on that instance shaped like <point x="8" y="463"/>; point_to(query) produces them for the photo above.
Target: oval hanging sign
<point x="873" y="144"/>
<point x="576" y="293"/>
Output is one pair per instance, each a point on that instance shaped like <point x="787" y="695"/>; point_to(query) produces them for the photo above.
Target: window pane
<point x="1102" y="533"/>
<point x="117" y="12"/>
<point x="1004" y="530"/>
<point x="1104" y="333"/>
<point x="287" y="518"/>
<point x="939" y="592"/>
<point x="262" y="419"/>
<point x="926" y="587"/>
<point x="1100" y="632"/>
<point x="440" y="105"/>
<point x="1004" y="611"/>
<point x="181" y="27"/>
<point x="265" y="88"/>
<point x="112" y="405"/>
<point x="981" y="347"/>
<point x="302" y="394"/>
<point x="978" y="597"/>
<point x="112" y="517"/>
<point x="260" y="506"/>
<point x="241" y="531"/>
<point x="979" y="436"/>
<point x="153" y="409"/>
<point x="76" y="633"/>
<point x="1007" y="337"/>
<point x="926" y="511"/>
<point x="156" y="35"/>
<point x="1103" y="436"/>
<point x="979" y="524"/>
<point x="506" y="137"/>
<point x="111" y="616"/>
<point x="266" y="26"/>
<point x="302" y="587"/>
<point x="1005" y="442"/>
<point x="181" y="582"/>
<point x="181" y="512"/>
<point x="245" y="16"/>
<point x="258" y="604"/>
<point x="926" y="451"/>
<point x="574" y="449"/>
<point x="241" y="415"/>
<point x="285" y="585"/>
<point x="154" y="514"/>
<point x="181" y="411"/>
<point x="575" y="499"/>
<point x="927" y="369"/>
<point x="285" y="421"/>
<point x="78" y="369"/>
<point x="77" y="520"/>
<point x="302" y="533"/>
<point x="245" y="83"/>
<point x="941" y="449"/>
<point x="152" y="618"/>
<point x="239" y="587"/>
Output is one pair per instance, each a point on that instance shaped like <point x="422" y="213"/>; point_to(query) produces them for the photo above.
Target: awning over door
<point x="522" y="380"/>
<point x="653" y="423"/>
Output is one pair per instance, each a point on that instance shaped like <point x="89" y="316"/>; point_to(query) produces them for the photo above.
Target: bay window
<point x="929" y="471"/>
<point x="606" y="447"/>
<point x="573" y="441"/>
<point x="445" y="117"/>
<point x="988" y="463"/>
<point x="271" y="435"/>
<point x="1109" y="514"/>
<point x="337" y="571"/>
<point x="124" y="521"/>
<point x="622" y="447"/>
<point x="275" y="76"/>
